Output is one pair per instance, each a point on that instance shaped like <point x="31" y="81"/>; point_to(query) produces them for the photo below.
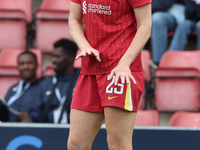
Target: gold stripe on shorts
<point x="128" y="99"/>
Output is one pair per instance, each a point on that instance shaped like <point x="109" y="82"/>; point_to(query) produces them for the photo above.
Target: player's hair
<point x="67" y="45"/>
<point x="29" y="53"/>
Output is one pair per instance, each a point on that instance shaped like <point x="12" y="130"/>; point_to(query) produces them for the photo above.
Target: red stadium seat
<point x="49" y="71"/>
<point x="177" y="83"/>
<point x="14" y="17"/>
<point x="147" y="118"/>
<point x="24" y="6"/>
<point x="147" y="76"/>
<point x="62" y="5"/>
<point x="181" y="59"/>
<point x="185" y="119"/>
<point x="6" y="83"/>
<point x="146" y="56"/>
<point x="13" y="33"/>
<point x="8" y="62"/>
<point x="51" y="24"/>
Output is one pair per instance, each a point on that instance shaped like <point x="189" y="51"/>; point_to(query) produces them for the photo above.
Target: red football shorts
<point x="94" y="92"/>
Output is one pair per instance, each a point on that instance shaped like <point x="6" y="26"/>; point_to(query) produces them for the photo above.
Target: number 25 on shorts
<point x="111" y="89"/>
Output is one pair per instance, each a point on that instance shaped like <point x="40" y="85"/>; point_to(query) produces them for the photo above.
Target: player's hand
<point x="122" y="71"/>
<point x="89" y="51"/>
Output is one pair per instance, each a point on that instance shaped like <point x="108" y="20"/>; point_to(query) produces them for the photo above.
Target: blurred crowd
<point x="46" y="99"/>
<point x="178" y="16"/>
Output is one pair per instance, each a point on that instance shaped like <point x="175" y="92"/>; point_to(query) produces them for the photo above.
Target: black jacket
<point x="164" y="5"/>
<point x="192" y="11"/>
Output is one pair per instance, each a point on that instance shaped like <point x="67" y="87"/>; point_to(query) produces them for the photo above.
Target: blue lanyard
<point x="19" y="93"/>
<point x="57" y="91"/>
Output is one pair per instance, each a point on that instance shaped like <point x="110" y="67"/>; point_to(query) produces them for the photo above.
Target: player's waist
<point x="91" y="68"/>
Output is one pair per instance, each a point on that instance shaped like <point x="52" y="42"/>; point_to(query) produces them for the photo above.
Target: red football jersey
<point x="110" y="27"/>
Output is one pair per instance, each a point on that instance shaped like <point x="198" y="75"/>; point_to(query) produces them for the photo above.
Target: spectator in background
<point x="187" y="26"/>
<point x="22" y="96"/>
<point x="63" y="58"/>
<point x="167" y="14"/>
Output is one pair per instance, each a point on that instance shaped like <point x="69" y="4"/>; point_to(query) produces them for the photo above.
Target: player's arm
<point x="143" y="19"/>
<point x="77" y="32"/>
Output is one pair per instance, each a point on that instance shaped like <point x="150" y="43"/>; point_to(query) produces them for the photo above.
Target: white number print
<point x="109" y="89"/>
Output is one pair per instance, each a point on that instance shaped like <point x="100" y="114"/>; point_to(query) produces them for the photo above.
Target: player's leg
<point x="86" y="114"/>
<point x="83" y="128"/>
<point x="120" y="103"/>
<point x="119" y="127"/>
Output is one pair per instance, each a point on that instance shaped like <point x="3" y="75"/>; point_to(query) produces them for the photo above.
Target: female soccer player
<point x="111" y="79"/>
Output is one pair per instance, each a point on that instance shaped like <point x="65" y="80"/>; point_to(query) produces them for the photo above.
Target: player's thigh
<point x="83" y="128"/>
<point x="119" y="126"/>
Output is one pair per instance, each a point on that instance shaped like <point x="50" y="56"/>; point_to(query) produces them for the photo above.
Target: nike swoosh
<point x="109" y="98"/>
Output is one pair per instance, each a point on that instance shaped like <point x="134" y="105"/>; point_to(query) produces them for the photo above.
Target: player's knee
<point x="76" y="145"/>
<point x="112" y="145"/>
<point x="117" y="143"/>
<point x="71" y="145"/>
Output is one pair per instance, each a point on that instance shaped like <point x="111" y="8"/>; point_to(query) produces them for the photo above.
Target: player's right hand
<point x="89" y="51"/>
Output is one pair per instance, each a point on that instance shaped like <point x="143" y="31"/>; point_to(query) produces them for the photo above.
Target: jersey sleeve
<point x="137" y="3"/>
<point x="76" y="1"/>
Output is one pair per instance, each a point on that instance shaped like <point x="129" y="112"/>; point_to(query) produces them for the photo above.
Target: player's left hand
<point x="122" y="71"/>
<point x="89" y="51"/>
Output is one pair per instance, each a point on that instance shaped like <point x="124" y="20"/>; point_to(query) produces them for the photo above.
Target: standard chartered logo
<point x="84" y="7"/>
<point x="94" y="8"/>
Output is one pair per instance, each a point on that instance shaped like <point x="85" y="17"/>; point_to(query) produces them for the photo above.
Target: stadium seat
<point x="147" y="76"/>
<point x="185" y="119"/>
<point x="49" y="71"/>
<point x="147" y="118"/>
<point x="177" y="83"/>
<point x="146" y="56"/>
<point x="8" y="62"/>
<point x="14" y="17"/>
<point x="24" y="6"/>
<point x="62" y="5"/>
<point x="51" y="24"/>
<point x="6" y="83"/>
<point x="181" y="59"/>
